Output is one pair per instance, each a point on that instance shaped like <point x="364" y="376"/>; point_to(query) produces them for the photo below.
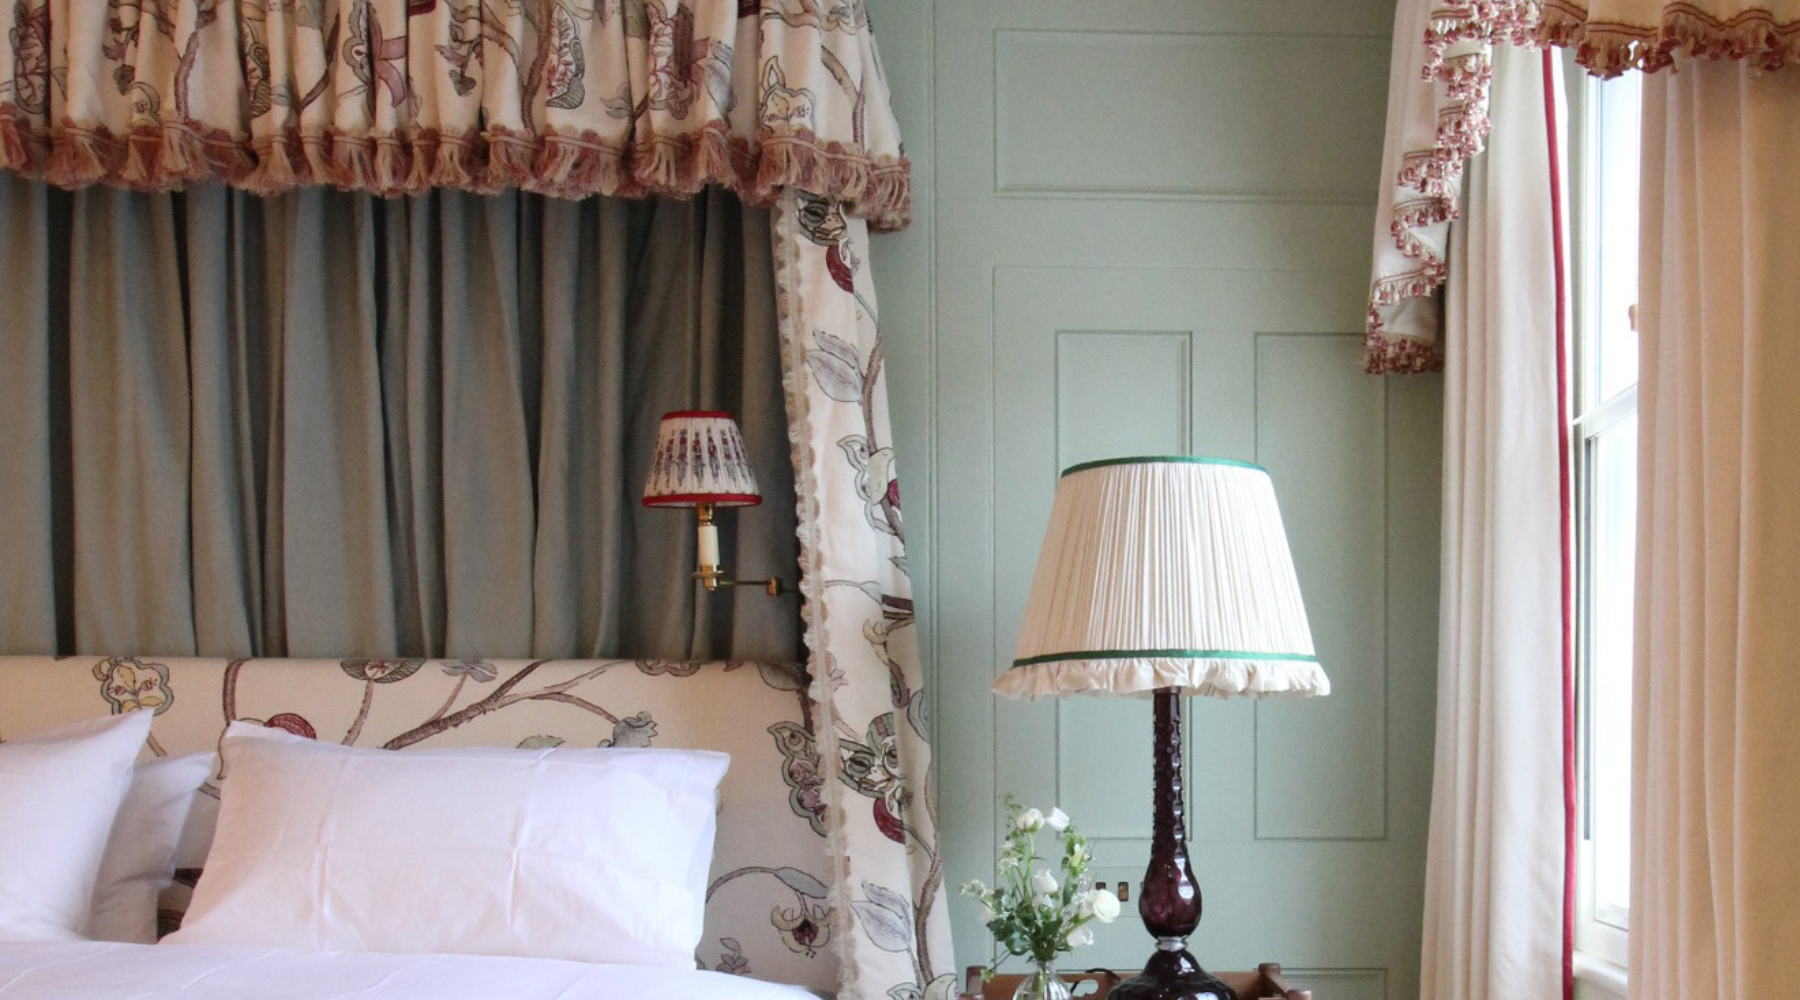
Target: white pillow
<point x="591" y="855"/>
<point x="59" y="792"/>
<point x="140" y="855"/>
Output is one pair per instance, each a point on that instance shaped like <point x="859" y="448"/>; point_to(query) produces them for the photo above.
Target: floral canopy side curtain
<point x="781" y="101"/>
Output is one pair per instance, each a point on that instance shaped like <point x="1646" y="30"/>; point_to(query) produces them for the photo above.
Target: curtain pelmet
<point x="564" y="97"/>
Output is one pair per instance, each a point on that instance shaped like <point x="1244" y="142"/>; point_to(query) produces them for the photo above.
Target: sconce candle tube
<point x="709" y="545"/>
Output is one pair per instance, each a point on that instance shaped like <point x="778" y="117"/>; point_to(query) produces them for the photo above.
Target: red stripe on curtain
<point x="1558" y="231"/>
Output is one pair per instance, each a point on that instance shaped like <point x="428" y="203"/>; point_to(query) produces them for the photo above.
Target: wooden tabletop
<point x="1263" y="984"/>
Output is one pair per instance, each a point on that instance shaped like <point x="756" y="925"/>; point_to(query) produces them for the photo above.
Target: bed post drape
<point x="893" y="931"/>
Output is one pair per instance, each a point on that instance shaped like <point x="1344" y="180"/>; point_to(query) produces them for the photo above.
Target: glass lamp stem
<point x="1170" y="904"/>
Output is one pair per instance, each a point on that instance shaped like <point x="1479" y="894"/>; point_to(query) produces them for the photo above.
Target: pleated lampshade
<point x="700" y="460"/>
<point x="1165" y="572"/>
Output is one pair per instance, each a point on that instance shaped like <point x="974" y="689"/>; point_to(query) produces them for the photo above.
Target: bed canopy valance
<point x="780" y="101"/>
<point x="564" y="97"/>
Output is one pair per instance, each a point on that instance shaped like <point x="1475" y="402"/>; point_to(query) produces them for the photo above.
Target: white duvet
<point x="94" y="970"/>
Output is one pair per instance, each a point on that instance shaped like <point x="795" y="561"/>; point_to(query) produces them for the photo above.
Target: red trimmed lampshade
<point x="700" y="459"/>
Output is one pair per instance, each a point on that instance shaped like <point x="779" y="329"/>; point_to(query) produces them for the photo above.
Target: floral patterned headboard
<point x="768" y="911"/>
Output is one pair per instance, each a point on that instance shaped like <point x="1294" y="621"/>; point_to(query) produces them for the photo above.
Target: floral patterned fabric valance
<point x="564" y="97"/>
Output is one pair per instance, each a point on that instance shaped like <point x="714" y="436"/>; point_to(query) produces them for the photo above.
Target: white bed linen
<point x="98" y="970"/>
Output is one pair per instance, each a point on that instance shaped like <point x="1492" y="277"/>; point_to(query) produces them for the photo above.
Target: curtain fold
<point x="1421" y="186"/>
<point x="1496" y="852"/>
<point x="329" y="425"/>
<point x="1715" y="821"/>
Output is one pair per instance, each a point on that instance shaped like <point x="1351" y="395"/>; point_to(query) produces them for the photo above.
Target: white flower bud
<point x="1057" y="820"/>
<point x="1043" y="882"/>
<point x="1030" y="821"/>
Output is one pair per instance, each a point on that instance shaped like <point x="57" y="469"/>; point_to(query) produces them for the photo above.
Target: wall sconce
<point x="700" y="463"/>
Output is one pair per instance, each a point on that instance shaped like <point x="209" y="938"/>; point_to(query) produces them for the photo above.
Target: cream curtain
<point x="332" y="425"/>
<point x="1716" y="817"/>
<point x="1496" y="852"/>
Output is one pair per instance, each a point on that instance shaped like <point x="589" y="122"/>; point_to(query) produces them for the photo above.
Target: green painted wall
<point x="1145" y="226"/>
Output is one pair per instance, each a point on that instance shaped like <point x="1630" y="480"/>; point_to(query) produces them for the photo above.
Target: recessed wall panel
<point x="1321" y="764"/>
<point x="1119" y="392"/>
<point x="1339" y="984"/>
<point x="1197" y="116"/>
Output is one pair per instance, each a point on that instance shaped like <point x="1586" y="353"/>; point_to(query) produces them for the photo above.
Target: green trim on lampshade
<point x="1163" y="654"/>
<point x="1152" y="459"/>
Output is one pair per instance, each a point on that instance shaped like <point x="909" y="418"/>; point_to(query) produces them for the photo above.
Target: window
<point x="1604" y="440"/>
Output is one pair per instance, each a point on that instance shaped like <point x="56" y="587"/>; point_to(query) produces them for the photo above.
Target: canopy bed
<point x="339" y="465"/>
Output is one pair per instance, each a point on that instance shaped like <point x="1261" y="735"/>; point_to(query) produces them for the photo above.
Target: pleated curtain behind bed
<point x="327" y="424"/>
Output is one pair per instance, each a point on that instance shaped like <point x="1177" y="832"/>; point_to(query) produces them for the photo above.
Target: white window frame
<point x="1601" y="933"/>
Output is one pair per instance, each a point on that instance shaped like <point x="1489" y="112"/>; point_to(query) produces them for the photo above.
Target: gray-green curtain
<point x="332" y="425"/>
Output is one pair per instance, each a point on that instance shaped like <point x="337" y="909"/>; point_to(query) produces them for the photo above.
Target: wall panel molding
<point x="1189" y="117"/>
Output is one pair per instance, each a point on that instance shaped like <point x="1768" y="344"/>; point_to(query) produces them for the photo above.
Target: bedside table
<point x="1263" y="984"/>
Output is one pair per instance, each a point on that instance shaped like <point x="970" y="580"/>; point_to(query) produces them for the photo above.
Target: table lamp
<point x="1162" y="577"/>
<point x="700" y="463"/>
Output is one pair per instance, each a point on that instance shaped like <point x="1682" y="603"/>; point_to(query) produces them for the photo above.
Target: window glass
<point x="1614" y="364"/>
<point x="1605" y="443"/>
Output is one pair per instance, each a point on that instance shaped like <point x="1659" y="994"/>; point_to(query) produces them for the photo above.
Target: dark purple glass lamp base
<point x="1172" y="975"/>
<point x="1170" y="903"/>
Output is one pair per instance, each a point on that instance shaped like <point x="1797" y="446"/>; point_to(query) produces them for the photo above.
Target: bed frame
<point x="768" y="905"/>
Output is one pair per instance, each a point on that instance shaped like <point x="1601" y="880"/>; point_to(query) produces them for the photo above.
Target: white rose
<point x="1030" y="821"/>
<point x="1043" y="882"/>
<point x="1104" y="905"/>
<point x="1080" y="936"/>
<point x="1057" y="820"/>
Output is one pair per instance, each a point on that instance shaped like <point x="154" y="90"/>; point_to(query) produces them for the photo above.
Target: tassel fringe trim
<point x="171" y="155"/>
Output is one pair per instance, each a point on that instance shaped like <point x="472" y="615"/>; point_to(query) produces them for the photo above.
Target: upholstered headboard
<point x="767" y="907"/>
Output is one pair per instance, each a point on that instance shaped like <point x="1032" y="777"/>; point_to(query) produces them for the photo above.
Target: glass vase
<point x="1042" y="983"/>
